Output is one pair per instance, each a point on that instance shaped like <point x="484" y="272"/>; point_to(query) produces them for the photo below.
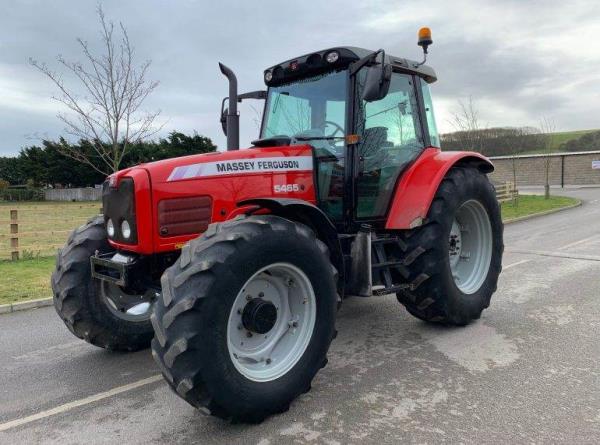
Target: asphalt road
<point x="526" y="372"/>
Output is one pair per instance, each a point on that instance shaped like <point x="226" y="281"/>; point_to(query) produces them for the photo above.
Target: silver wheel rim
<point x="270" y="355"/>
<point x="470" y="249"/>
<point x="127" y="306"/>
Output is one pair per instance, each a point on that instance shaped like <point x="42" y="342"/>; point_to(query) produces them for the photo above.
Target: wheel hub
<point x="259" y="316"/>
<point x="271" y="322"/>
<point x="470" y="246"/>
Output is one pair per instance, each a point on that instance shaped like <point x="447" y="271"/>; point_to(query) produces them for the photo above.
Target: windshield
<point x="312" y="109"/>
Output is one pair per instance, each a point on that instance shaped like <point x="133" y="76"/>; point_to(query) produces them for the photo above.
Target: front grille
<point x="119" y="205"/>
<point x="184" y="216"/>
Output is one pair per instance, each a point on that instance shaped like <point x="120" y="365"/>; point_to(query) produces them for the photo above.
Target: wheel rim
<point x="262" y="347"/>
<point x="470" y="250"/>
<point x="127" y="306"/>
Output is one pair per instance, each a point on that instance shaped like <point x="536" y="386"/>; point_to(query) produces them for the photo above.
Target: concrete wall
<point x="565" y="169"/>
<point x="80" y="194"/>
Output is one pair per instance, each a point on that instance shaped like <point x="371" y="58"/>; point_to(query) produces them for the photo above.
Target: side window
<point x="390" y="138"/>
<point x="434" y="137"/>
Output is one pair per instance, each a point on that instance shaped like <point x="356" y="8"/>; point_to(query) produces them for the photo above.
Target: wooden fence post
<point x="14" y="231"/>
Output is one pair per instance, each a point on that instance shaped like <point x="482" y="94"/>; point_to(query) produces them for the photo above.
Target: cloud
<point x="519" y="60"/>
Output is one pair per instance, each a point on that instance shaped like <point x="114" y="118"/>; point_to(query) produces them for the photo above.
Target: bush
<point x="10" y="194"/>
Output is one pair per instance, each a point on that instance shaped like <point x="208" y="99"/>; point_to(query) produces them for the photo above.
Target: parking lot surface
<point x="527" y="372"/>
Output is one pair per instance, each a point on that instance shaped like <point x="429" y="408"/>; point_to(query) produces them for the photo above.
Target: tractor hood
<point x="175" y="199"/>
<point x="231" y="163"/>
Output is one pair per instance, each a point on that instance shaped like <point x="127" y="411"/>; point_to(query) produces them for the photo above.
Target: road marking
<point x="514" y="264"/>
<point x="51" y="349"/>
<point x="77" y="403"/>
<point x="555" y="254"/>
<point x="578" y="242"/>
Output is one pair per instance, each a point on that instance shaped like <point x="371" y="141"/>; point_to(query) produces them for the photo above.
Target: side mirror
<point x="377" y="83"/>
<point x="224" y="120"/>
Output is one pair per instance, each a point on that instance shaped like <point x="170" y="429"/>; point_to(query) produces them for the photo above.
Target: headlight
<point x="268" y="76"/>
<point x="125" y="229"/>
<point x="110" y="228"/>
<point x="332" y="57"/>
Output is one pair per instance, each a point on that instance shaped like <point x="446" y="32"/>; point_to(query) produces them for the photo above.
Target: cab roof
<point x="316" y="63"/>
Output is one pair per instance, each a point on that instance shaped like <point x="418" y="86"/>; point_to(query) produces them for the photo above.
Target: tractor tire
<point x="453" y="261"/>
<point x="78" y="297"/>
<point x="217" y="296"/>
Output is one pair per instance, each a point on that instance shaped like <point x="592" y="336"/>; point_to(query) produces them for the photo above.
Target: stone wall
<point x="565" y="169"/>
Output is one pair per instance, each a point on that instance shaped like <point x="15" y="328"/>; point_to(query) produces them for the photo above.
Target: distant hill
<point x="572" y="141"/>
<point x="502" y="141"/>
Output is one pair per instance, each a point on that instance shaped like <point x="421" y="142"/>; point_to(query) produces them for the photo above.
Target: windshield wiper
<point x="317" y="138"/>
<point x="277" y="100"/>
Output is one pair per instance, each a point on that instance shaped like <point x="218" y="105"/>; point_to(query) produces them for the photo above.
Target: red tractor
<point x="232" y="265"/>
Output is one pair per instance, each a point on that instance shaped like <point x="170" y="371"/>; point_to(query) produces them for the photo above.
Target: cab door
<point x="390" y="137"/>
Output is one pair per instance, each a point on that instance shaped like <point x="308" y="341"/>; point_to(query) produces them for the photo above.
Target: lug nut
<point x="248" y="334"/>
<point x="268" y="361"/>
<point x="261" y="294"/>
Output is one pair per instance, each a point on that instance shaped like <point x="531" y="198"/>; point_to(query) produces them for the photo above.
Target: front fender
<point x="310" y="215"/>
<point x="417" y="187"/>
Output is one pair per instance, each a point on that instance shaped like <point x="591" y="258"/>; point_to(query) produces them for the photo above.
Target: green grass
<point x="25" y="280"/>
<point x="43" y="226"/>
<point x="531" y="204"/>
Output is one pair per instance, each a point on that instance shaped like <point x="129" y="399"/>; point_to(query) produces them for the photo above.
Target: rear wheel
<point x="456" y="256"/>
<point x="246" y="318"/>
<point x="96" y="311"/>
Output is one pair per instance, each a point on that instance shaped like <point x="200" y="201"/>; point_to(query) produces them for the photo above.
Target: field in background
<point x="559" y="138"/>
<point x="43" y="227"/>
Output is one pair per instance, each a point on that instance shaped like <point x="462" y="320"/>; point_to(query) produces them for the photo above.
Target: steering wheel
<point x="338" y="128"/>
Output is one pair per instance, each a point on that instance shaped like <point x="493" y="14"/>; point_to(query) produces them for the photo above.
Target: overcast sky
<point x="519" y="60"/>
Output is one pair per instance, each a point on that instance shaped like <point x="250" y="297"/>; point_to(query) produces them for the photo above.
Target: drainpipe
<point x="233" y="120"/>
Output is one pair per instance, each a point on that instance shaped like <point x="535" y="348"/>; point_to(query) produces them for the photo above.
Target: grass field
<point x="43" y="226"/>
<point x="531" y="204"/>
<point x="25" y="280"/>
<point x="30" y="279"/>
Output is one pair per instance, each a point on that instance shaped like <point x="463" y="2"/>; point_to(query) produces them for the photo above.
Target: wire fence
<point x="33" y="230"/>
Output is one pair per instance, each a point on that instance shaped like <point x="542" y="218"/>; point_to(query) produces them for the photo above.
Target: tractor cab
<point x="367" y="116"/>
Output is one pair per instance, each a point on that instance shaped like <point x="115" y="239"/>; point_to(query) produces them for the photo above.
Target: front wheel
<point x="97" y="311"/>
<point x="246" y="318"/>
<point x="456" y="256"/>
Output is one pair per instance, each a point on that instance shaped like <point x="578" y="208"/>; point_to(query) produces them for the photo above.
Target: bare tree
<point x="547" y="130"/>
<point x="109" y="113"/>
<point x="465" y="121"/>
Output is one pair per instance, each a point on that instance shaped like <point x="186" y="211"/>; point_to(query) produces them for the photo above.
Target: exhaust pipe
<point x="233" y="120"/>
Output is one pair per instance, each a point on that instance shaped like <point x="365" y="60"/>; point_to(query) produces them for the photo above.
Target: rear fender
<point x="417" y="186"/>
<point x="308" y="214"/>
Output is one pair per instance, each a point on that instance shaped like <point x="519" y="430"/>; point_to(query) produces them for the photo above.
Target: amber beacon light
<point x="425" y="38"/>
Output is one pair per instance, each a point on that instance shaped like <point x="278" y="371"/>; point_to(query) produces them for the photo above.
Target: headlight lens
<point x="125" y="229"/>
<point x="110" y="228"/>
<point x="332" y="57"/>
<point x="268" y="76"/>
